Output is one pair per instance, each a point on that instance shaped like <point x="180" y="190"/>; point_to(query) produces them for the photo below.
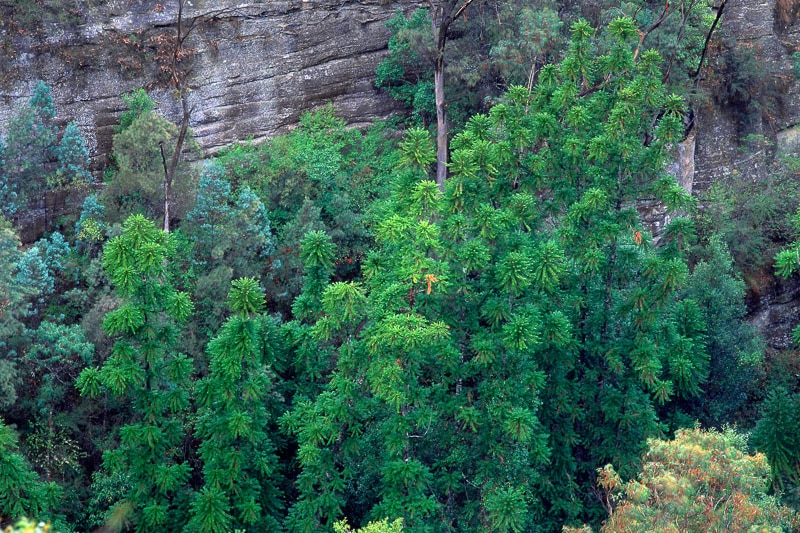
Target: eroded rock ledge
<point x="256" y="65"/>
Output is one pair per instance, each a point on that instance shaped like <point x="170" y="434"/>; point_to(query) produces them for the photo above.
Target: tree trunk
<point x="166" y="205"/>
<point x="441" y="18"/>
<point x="176" y="156"/>
<point x="167" y="187"/>
<point x="441" y="124"/>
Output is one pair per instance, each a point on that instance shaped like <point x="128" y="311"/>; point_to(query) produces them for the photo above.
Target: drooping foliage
<point x="36" y="155"/>
<point x="14" y="308"/>
<point x="232" y="237"/>
<point x="147" y="369"/>
<point x="519" y="329"/>
<point x="73" y="158"/>
<point x="240" y="469"/>
<point x="26" y="149"/>
<point x="734" y="348"/>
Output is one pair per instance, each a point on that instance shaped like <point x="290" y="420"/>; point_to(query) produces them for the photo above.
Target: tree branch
<point x="720" y="9"/>
<point x="462" y="8"/>
<point x="653" y="26"/>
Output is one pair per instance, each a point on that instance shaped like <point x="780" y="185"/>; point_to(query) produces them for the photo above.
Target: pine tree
<point x="776" y="435"/>
<point x="232" y="238"/>
<point x="57" y="354"/>
<point x="42" y="263"/>
<point x="146" y="369"/>
<point x="14" y="307"/>
<point x="89" y="230"/>
<point x="734" y="347"/>
<point x="240" y="469"/>
<point x="73" y="159"/>
<point x="522" y="327"/>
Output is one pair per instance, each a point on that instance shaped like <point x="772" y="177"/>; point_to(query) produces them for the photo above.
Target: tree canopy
<point x="327" y="333"/>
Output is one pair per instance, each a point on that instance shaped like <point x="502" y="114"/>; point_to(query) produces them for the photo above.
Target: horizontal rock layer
<point x="254" y="66"/>
<point x="257" y="65"/>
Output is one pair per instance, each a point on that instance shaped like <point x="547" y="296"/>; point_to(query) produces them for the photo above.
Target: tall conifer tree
<point x="146" y="369"/>
<point x="520" y="329"/>
<point x="240" y="469"/>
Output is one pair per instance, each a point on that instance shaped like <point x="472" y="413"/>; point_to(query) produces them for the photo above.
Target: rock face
<point x="253" y="67"/>
<point x="769" y="30"/>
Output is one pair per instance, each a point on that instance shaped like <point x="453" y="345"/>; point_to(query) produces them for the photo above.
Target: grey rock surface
<point x="255" y="66"/>
<point x="771" y="30"/>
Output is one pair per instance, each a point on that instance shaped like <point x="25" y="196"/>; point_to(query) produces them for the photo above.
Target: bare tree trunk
<point x="441" y="18"/>
<point x="167" y="184"/>
<point x="169" y="172"/>
<point x="710" y="33"/>
<point x="178" y="80"/>
<point x="441" y="123"/>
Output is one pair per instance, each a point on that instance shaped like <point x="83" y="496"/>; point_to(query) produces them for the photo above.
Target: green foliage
<point x="523" y="48"/>
<point x="55" y="454"/>
<point x="463" y="359"/>
<point x="733" y="346"/>
<point x="417" y="148"/>
<point x="41" y="263"/>
<point x="320" y="177"/>
<point x="137" y="184"/>
<point x="232" y="237"/>
<point x="56" y="356"/>
<point x="33" y="272"/>
<point x="33" y="159"/>
<point x="14" y="308"/>
<point x="90" y="228"/>
<point x="742" y="83"/>
<point x="317" y="251"/>
<point x="73" y="159"/>
<point x="233" y="425"/>
<point x="33" y="17"/>
<point x="501" y="44"/>
<point x="138" y="103"/>
<point x="776" y="430"/>
<point x="373" y="527"/>
<point x="752" y="214"/>
<point x="796" y="64"/>
<point x="146" y="370"/>
<point x="26" y="150"/>
<point x="776" y="436"/>
<point x="407" y="71"/>
<point x="699" y="481"/>
<point x="517" y="330"/>
<point x="786" y="260"/>
<point x="679" y="38"/>
<point x="22" y="493"/>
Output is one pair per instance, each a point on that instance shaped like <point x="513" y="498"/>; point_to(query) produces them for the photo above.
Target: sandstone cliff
<point x="770" y="30"/>
<point x="255" y="66"/>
